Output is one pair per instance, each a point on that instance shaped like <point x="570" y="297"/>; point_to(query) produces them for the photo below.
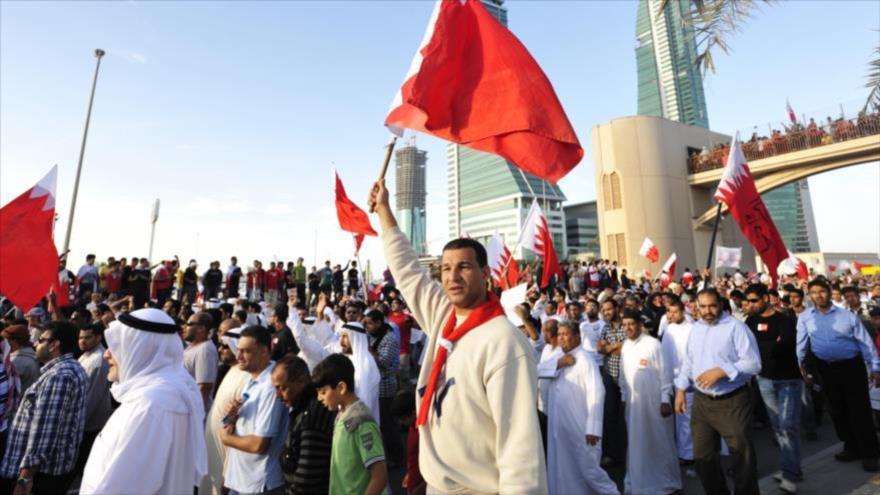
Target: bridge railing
<point x="796" y="138"/>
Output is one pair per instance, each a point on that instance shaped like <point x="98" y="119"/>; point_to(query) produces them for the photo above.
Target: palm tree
<point x="873" y="100"/>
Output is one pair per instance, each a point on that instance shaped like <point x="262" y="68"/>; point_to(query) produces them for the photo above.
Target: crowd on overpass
<point x="796" y="137"/>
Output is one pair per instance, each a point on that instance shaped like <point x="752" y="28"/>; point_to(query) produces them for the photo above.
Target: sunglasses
<point x="43" y="340"/>
<point x="753" y="300"/>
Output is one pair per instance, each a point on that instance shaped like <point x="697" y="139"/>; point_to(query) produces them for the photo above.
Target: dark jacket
<point x="305" y="460"/>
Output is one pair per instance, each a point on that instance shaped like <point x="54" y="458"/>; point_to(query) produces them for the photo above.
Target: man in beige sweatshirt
<point x="479" y="432"/>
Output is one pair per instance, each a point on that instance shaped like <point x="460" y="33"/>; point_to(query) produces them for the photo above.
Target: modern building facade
<point x="670" y="84"/>
<point x="410" y="194"/>
<point x="488" y="194"/>
<point x="582" y="228"/>
<point x="792" y="212"/>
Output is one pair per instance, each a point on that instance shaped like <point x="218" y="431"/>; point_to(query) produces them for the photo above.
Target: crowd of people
<point x="796" y="137"/>
<point x="156" y="379"/>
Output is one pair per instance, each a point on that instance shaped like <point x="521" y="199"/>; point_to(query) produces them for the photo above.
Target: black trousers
<point x="845" y="384"/>
<point x="43" y="484"/>
<point x="613" y="424"/>
<point x="85" y="448"/>
<point x="390" y="429"/>
<point x="729" y="418"/>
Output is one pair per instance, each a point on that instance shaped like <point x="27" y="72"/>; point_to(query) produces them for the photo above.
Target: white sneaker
<point x="787" y="486"/>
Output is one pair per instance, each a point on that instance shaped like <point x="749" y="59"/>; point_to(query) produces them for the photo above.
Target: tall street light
<point x="82" y="150"/>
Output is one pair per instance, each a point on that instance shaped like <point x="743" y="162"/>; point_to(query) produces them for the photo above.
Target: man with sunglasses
<point x="200" y="357"/>
<point x="48" y="426"/>
<point x="779" y="380"/>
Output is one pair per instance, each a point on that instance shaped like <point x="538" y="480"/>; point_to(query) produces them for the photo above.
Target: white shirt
<point x="264" y="416"/>
<point x="591" y="333"/>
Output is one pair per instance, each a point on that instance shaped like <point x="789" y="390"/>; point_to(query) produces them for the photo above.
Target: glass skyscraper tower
<point x="488" y="194"/>
<point x="409" y="178"/>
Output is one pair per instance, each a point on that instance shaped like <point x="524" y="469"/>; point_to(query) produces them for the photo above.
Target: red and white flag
<point x="28" y="257"/>
<point x="794" y="266"/>
<point x="649" y="250"/>
<point x="791" y="116"/>
<point x="505" y="270"/>
<point x="351" y="217"/>
<point x="669" y="266"/>
<point x="738" y="191"/>
<point x="535" y="236"/>
<point x="473" y="82"/>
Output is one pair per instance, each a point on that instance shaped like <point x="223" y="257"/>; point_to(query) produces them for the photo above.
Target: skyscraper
<point x="410" y="194"/>
<point x="488" y="194"/>
<point x="792" y="212"/>
<point x="670" y="85"/>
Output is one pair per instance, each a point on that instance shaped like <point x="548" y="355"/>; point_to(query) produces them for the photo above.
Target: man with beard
<point x="154" y="442"/>
<point x="200" y="357"/>
<point x="356" y="346"/>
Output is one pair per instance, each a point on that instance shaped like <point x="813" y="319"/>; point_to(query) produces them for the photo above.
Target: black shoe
<point x="870" y="465"/>
<point x="812" y="436"/>
<point x="845" y="456"/>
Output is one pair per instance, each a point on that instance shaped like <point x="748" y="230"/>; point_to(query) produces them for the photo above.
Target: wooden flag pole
<point x="388" y="149"/>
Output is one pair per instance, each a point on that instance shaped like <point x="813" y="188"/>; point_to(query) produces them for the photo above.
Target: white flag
<point x="728" y="257"/>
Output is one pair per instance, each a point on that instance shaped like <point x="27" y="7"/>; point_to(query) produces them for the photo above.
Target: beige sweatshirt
<point x="485" y="436"/>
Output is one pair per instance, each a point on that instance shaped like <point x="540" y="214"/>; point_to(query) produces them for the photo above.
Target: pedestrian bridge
<point x="656" y="178"/>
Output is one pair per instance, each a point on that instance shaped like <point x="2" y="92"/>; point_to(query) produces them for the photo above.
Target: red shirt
<point x="272" y="278"/>
<point x="413" y="473"/>
<point x="256" y="279"/>
<point x="114" y="281"/>
<point x="404" y="323"/>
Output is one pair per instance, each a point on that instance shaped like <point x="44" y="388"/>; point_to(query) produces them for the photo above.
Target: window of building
<point x="606" y="192"/>
<point x="616" y="193"/>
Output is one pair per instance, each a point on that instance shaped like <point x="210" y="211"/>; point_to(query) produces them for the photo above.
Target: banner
<point x="728" y="257"/>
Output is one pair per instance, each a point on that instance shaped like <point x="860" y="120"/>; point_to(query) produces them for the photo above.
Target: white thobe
<point x="574" y="410"/>
<point x="674" y="344"/>
<point x="645" y="384"/>
<point x="591" y="333"/>
<point x="142" y="449"/>
<point x="230" y="388"/>
<point x="546" y="370"/>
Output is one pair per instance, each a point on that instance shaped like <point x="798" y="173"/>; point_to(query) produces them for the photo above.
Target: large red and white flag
<point x="536" y="237"/>
<point x="351" y="217"/>
<point x="649" y="250"/>
<point x="505" y="270"/>
<point x="791" y="116"/>
<point x="28" y="257"/>
<point x="473" y="82"/>
<point x="738" y="191"/>
<point x="794" y="266"/>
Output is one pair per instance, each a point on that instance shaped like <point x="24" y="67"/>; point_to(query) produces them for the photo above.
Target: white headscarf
<point x="230" y="338"/>
<point x="366" y="371"/>
<point x="150" y="366"/>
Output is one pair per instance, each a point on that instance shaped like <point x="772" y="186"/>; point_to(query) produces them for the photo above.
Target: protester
<point x="98" y="407"/>
<point x="200" y="357"/>
<point x="354" y="344"/>
<point x="646" y="388"/>
<point x="357" y="459"/>
<point x="610" y="344"/>
<point x="842" y="349"/>
<point x="489" y="443"/>
<point x="255" y="434"/>
<point x="41" y="448"/>
<point x="305" y="460"/>
<point x="574" y="414"/>
<point x="674" y="346"/>
<point x="385" y="348"/>
<point x="779" y="381"/>
<point x="283" y="342"/>
<point x="720" y="360"/>
<point x="22" y="355"/>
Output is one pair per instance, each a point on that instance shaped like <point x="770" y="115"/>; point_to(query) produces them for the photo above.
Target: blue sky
<point x="233" y="112"/>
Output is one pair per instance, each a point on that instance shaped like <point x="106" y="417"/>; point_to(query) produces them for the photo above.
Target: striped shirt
<point x="48" y="426"/>
<point x="305" y="459"/>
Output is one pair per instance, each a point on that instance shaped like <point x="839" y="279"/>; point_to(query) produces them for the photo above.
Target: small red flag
<point x="28" y="257"/>
<point x="737" y="190"/>
<point x="473" y="82"/>
<point x="351" y="217"/>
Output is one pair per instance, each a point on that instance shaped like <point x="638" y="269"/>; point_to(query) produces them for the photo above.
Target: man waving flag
<point x="351" y="217"/>
<point x="737" y="190"/>
<point x="28" y="257"/>
<point x="473" y="82"/>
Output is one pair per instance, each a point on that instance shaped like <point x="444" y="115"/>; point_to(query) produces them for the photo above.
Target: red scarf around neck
<point x="490" y="308"/>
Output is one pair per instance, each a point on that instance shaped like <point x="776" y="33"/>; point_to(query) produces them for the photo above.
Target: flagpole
<point x="714" y="234"/>
<point x="388" y="149"/>
<point x="98" y="54"/>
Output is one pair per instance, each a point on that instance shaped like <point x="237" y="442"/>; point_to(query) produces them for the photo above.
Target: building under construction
<point x="410" y="194"/>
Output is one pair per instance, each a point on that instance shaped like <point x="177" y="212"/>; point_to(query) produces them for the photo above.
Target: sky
<point x="233" y="113"/>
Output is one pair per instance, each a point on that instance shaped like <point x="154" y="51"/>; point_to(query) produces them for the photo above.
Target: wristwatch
<point x="22" y="481"/>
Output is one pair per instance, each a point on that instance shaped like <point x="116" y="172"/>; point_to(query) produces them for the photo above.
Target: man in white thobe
<point x="575" y="405"/>
<point x="155" y="441"/>
<point x="674" y="345"/>
<point x="646" y="388"/>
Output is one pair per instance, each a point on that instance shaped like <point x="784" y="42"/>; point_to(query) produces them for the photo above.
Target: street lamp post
<point x="82" y="150"/>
